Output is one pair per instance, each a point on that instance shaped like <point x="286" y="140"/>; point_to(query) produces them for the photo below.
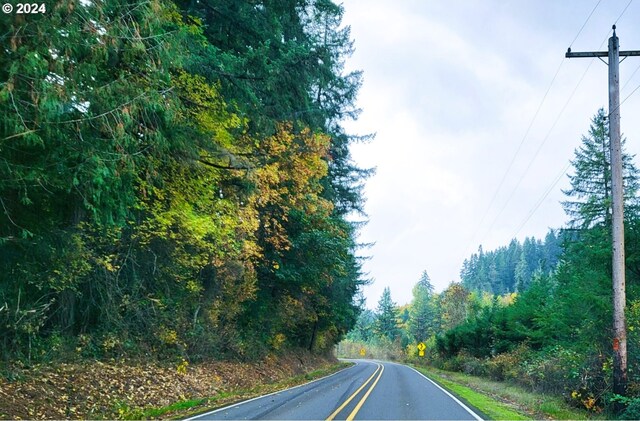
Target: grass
<point x="503" y="401"/>
<point x="137" y="414"/>
<point x="187" y="408"/>
<point x="489" y="407"/>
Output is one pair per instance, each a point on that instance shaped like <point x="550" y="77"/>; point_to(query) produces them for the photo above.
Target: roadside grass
<point x="503" y="401"/>
<point x="191" y="407"/>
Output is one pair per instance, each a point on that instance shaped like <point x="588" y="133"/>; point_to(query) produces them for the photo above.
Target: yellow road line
<point x="352" y="415"/>
<point x="337" y="411"/>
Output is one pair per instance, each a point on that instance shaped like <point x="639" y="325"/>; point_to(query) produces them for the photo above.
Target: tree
<point x="454" y="302"/>
<point x="511" y="268"/>
<point x="591" y="181"/>
<point x="175" y="174"/>
<point x="387" y="317"/>
<point x="89" y="109"/>
<point x="363" y="331"/>
<point x="422" y="313"/>
<point x="528" y="263"/>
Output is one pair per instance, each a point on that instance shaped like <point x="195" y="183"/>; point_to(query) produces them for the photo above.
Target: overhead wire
<point x="535" y="156"/>
<point x="565" y="169"/>
<point x="515" y="155"/>
<point x="623" y="11"/>
<point x="630" y="78"/>
<point x="541" y="200"/>
<point x="587" y="20"/>
<point x="628" y="96"/>
<point x="526" y="134"/>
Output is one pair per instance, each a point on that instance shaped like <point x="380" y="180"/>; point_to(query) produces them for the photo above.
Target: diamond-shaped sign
<point x="421" y="347"/>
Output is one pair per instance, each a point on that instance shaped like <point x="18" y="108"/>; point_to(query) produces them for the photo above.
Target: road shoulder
<point x="499" y="400"/>
<point x="234" y="397"/>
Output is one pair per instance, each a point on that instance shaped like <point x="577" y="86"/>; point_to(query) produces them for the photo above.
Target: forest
<point x="539" y="313"/>
<point x="175" y="180"/>
<point x="176" y="183"/>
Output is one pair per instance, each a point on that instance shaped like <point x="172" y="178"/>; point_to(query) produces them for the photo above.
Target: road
<point x="369" y="390"/>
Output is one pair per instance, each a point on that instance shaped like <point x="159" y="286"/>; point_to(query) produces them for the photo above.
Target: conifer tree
<point x="422" y="313"/>
<point x="590" y="191"/>
<point x="387" y="317"/>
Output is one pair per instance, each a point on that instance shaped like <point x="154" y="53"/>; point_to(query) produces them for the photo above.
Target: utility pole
<point x="617" y="205"/>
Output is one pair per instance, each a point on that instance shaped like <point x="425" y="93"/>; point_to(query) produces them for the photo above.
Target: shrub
<point x="504" y="366"/>
<point x="633" y="410"/>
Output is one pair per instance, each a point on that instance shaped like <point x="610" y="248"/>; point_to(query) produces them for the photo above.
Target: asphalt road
<point x="369" y="390"/>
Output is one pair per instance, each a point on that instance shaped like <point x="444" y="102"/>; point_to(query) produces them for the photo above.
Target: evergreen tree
<point x="528" y="263"/>
<point x="364" y="329"/>
<point x="422" y="321"/>
<point x="591" y="181"/>
<point x="552" y="249"/>
<point x="387" y="317"/>
<point x="509" y="269"/>
<point x="176" y="173"/>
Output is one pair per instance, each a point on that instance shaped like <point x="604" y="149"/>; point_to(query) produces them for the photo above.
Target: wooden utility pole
<point x="617" y="205"/>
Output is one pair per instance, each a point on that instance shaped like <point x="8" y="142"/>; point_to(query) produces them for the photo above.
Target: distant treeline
<point x="175" y="179"/>
<point x="512" y="268"/>
<point x="538" y="314"/>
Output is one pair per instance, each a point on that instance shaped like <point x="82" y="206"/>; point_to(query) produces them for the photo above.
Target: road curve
<point x="370" y="390"/>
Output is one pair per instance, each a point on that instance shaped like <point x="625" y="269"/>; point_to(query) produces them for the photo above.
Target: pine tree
<point x="422" y="313"/>
<point x="387" y="317"/>
<point x="363" y="331"/>
<point x="591" y="181"/>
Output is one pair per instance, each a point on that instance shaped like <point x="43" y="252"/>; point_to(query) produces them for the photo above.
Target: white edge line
<point x="264" y="396"/>
<point x="476" y="416"/>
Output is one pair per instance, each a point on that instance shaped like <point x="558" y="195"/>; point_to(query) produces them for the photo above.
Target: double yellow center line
<point x="353" y="413"/>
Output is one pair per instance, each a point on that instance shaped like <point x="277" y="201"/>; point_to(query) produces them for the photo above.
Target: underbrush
<point x="582" y="379"/>
<point x="505" y="400"/>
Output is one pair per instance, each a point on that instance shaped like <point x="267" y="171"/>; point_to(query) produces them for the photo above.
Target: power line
<point x="556" y="180"/>
<point x="585" y="22"/>
<point x="631" y="77"/>
<point x="549" y="133"/>
<point x="544" y="141"/>
<point x="627" y="97"/>
<point x="623" y="101"/>
<point x="623" y="11"/>
<point x="564" y="170"/>
<point x="515" y="155"/>
<point x="544" y="196"/>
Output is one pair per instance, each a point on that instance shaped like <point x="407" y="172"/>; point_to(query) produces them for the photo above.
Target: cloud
<point x="451" y="88"/>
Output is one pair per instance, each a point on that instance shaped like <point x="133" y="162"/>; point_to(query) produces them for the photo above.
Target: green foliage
<point x="553" y="335"/>
<point x="512" y="268"/>
<point x="423" y="322"/>
<point x="386" y="325"/>
<point x="632" y="411"/>
<point x="364" y="329"/>
<point x="591" y="183"/>
<point x="548" y="328"/>
<point x="175" y="179"/>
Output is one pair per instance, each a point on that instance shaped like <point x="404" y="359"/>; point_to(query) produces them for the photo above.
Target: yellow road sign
<point x="421" y="347"/>
<point x="421" y="353"/>
<point x="363" y="352"/>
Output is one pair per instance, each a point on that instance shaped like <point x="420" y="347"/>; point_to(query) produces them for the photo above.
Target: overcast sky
<point x="450" y="89"/>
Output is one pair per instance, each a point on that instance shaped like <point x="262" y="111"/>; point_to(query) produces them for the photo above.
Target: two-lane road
<point x="367" y="391"/>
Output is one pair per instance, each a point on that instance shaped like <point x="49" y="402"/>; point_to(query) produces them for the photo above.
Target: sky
<point x="476" y="115"/>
